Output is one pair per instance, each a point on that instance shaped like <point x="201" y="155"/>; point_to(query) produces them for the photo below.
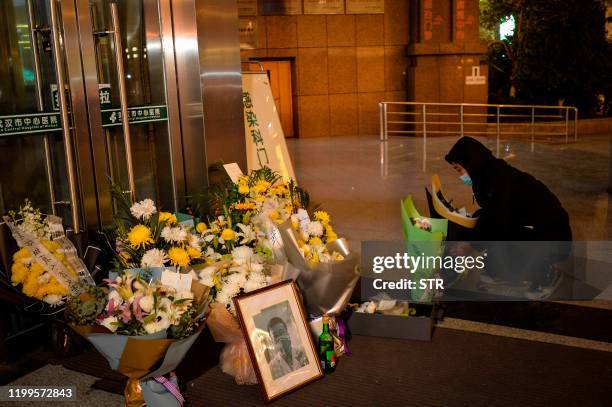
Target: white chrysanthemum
<point x="53" y="299"/>
<point x="235" y="281"/>
<point x="110" y="323"/>
<point x="155" y="326"/>
<point x="256" y="267"/>
<point x="206" y="276"/>
<point x="143" y="209"/>
<point x="146" y="303"/>
<point x="174" y="234"/>
<point x="315" y="228"/>
<point x="244" y="253"/>
<point x="255" y="281"/>
<point x="153" y="258"/>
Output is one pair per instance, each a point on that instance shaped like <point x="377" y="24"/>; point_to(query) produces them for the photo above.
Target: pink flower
<point x="110" y="307"/>
<point x="136" y="308"/>
<point x="126" y="316"/>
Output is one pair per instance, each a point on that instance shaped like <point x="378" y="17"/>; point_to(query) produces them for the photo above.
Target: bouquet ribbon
<point x="171" y="387"/>
<point x="42" y="256"/>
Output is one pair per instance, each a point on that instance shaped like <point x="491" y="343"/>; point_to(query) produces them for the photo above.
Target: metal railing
<point x="416" y="118"/>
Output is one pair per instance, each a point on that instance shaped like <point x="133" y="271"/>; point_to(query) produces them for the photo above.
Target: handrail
<point x="261" y="67"/>
<point x="425" y="119"/>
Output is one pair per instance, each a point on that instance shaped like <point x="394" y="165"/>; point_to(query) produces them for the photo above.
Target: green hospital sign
<point x="30" y="123"/>
<point x="141" y="114"/>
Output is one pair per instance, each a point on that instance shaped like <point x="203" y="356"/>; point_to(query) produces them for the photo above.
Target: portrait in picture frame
<point x="279" y="339"/>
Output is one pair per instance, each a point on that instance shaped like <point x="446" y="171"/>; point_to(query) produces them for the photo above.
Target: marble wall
<point x="343" y="66"/>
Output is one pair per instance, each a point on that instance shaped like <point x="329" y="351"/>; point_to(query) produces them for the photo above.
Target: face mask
<point x="465" y="178"/>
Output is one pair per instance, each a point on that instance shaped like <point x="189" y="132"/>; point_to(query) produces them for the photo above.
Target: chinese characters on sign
<point x="29" y="123"/>
<point x="104" y="93"/>
<point x="253" y="125"/>
<point x="323" y="6"/>
<point x="460" y="20"/>
<point x="141" y="114"/>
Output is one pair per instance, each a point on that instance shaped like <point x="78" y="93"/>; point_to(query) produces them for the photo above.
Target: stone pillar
<point x="445" y="49"/>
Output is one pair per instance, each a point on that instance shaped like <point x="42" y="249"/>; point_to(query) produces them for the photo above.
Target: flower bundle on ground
<point x="34" y="279"/>
<point x="313" y="237"/>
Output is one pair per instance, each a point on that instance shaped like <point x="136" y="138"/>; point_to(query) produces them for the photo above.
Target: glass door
<point x="131" y="76"/>
<point x="36" y="132"/>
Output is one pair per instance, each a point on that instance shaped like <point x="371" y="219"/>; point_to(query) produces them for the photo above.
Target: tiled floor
<point x="361" y="181"/>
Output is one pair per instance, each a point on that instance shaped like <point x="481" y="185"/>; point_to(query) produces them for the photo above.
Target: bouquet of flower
<point x="147" y="238"/>
<point x="313" y="237"/>
<point x="328" y="270"/>
<point x="143" y="328"/>
<point x="46" y="266"/>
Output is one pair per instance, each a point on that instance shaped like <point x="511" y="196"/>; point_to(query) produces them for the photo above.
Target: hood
<point x="471" y="154"/>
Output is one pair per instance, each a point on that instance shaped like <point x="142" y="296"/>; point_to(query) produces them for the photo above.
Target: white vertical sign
<point x="265" y="140"/>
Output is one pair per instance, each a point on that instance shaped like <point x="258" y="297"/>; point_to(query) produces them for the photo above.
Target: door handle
<point x="63" y="105"/>
<point x="123" y="98"/>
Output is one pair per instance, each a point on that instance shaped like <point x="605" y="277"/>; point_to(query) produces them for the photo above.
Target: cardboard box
<point x="392" y="326"/>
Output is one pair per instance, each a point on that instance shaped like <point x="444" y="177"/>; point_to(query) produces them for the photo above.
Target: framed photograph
<point x="278" y="336"/>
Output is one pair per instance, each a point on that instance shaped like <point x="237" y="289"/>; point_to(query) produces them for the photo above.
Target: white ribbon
<point x="51" y="264"/>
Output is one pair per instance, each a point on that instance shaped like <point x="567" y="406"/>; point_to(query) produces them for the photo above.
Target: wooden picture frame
<point x="279" y="339"/>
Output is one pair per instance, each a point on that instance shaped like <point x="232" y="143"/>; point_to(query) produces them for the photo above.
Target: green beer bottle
<point x="326" y="348"/>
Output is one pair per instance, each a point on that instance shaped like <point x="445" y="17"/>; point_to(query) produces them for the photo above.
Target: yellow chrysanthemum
<point x="178" y="257"/>
<point x="243" y="188"/>
<point x="193" y="252"/>
<point x="201" y="227"/>
<point x="322" y="217"/>
<point x="23" y="253"/>
<point x="261" y="186"/>
<point x="274" y="215"/>
<point x="330" y="234"/>
<point x="36" y="270"/>
<point x="167" y="217"/>
<point x="50" y="245"/>
<point x="18" y="273"/>
<point x="30" y="288"/>
<point x="139" y="235"/>
<point x="315" y="241"/>
<point x="228" y="234"/>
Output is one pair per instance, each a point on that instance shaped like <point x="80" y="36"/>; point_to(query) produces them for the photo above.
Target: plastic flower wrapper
<point x="325" y="285"/>
<point x="144" y="330"/>
<point x="46" y="266"/>
<point x="422" y="240"/>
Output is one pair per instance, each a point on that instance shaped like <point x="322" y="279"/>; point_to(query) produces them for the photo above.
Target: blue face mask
<point x="465" y="178"/>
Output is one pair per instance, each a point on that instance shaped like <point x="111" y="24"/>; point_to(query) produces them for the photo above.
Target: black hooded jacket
<point x="515" y="205"/>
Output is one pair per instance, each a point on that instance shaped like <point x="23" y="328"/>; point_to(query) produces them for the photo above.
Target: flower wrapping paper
<point x="326" y="287"/>
<point x="234" y="359"/>
<point x="140" y="358"/>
